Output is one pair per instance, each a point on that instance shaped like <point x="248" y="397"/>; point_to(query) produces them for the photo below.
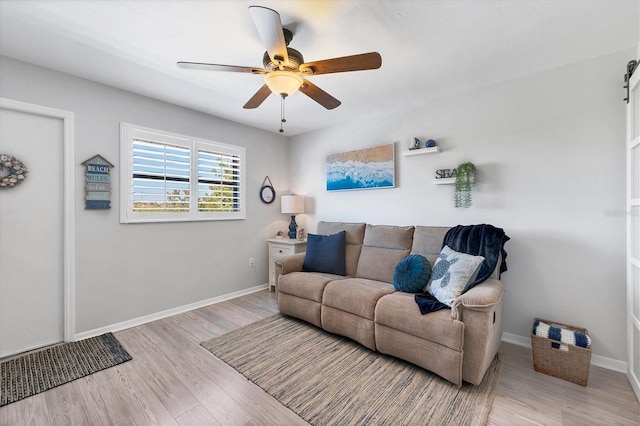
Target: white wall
<point x="550" y="150"/>
<point x="128" y="271"/>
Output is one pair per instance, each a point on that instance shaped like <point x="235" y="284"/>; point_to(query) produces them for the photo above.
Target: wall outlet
<point x="252" y="261"/>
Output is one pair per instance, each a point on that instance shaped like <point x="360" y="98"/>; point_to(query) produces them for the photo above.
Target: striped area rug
<point x="39" y="371"/>
<point x="331" y="380"/>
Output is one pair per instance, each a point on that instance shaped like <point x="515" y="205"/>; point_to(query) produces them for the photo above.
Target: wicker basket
<point x="567" y="362"/>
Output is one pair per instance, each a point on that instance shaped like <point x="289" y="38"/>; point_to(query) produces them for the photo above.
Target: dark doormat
<point x="42" y="370"/>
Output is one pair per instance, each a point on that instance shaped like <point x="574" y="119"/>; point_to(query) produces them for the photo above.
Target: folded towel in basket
<point x="562" y="335"/>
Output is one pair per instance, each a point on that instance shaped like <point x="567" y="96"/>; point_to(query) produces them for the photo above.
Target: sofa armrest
<point x="481" y="298"/>
<point x="290" y="263"/>
<point x="480" y="309"/>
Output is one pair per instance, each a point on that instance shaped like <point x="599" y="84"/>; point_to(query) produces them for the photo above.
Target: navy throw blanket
<point x="477" y="240"/>
<point x="428" y="303"/>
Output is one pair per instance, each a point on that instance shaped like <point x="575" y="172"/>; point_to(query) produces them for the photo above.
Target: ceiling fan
<point x="284" y="69"/>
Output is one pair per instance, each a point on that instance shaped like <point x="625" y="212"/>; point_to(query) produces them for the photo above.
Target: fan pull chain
<point x="282" y="119"/>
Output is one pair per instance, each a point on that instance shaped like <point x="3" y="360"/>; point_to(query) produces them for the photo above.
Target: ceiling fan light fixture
<point x="283" y="83"/>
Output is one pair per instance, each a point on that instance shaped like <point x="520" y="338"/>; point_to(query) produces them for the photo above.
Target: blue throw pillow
<point x="326" y="253"/>
<point x="412" y="274"/>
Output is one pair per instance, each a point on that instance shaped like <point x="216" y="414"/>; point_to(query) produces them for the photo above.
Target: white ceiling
<point x="429" y="48"/>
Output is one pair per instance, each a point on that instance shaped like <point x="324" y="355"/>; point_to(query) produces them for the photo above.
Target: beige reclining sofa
<point x="457" y="344"/>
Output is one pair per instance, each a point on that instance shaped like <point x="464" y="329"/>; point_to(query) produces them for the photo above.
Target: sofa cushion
<point x="325" y="253"/>
<point x="382" y="249"/>
<point x="392" y="237"/>
<point x="427" y="241"/>
<point x="355" y="295"/>
<point x="378" y="263"/>
<point x="412" y="274"/>
<point x="355" y="236"/>
<point x="452" y="273"/>
<point x="354" y="231"/>
<point x="400" y="312"/>
<point x="306" y="285"/>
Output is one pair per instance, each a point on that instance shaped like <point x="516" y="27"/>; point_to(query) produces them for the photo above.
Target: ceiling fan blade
<point x="269" y="26"/>
<point x="257" y="99"/>
<point x="219" y="67"/>
<point x="319" y="95"/>
<point x="363" y="61"/>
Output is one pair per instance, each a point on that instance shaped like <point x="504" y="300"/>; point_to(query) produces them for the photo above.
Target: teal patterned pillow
<point x="452" y="273"/>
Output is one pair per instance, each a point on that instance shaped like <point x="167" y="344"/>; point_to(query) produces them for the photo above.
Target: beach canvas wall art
<point x="368" y="168"/>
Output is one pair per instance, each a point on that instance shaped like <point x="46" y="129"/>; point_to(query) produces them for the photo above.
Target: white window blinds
<point x="173" y="177"/>
<point x="218" y="182"/>
<point x="161" y="177"/>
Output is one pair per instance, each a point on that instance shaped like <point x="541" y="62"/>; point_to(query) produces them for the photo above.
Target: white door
<point x="31" y="234"/>
<point x="633" y="232"/>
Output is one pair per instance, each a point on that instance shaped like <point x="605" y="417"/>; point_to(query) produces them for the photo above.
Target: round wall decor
<point x="267" y="193"/>
<point x="12" y="171"/>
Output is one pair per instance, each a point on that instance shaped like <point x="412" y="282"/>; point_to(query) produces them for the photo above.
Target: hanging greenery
<point x="465" y="181"/>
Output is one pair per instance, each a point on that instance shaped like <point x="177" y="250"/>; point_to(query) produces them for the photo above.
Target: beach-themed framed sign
<point x="98" y="183"/>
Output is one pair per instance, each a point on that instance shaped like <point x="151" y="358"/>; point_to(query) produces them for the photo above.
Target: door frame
<point x="68" y="232"/>
<point x="633" y="322"/>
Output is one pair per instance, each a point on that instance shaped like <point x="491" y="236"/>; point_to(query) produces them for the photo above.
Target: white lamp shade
<point x="292" y="204"/>
<point x="283" y="82"/>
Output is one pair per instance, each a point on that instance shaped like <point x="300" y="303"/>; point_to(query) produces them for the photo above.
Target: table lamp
<point x="293" y="205"/>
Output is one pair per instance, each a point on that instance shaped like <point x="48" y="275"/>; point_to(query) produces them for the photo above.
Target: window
<point x="169" y="177"/>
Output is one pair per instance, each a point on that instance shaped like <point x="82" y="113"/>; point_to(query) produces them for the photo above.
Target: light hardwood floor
<point x="172" y="380"/>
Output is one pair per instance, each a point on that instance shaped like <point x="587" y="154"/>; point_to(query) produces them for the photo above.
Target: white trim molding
<point x="597" y="360"/>
<point x="69" y="268"/>
<point x="167" y="313"/>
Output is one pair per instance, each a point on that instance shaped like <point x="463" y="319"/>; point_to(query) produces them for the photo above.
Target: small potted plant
<point x="465" y="181"/>
<point x="279" y="235"/>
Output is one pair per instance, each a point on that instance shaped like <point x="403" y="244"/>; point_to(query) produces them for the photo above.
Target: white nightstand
<point x="283" y="247"/>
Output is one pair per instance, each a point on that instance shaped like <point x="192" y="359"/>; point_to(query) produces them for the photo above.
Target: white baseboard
<point x="169" y="312"/>
<point x="516" y="340"/>
<point x="30" y="347"/>
<point x="597" y="360"/>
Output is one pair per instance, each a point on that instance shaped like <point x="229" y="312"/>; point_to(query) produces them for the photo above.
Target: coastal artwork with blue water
<point x="368" y="168"/>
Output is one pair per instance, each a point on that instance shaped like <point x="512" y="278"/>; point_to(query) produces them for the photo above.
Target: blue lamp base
<point x="293" y="228"/>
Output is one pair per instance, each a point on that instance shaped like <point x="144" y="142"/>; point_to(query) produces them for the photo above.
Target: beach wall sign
<point x="98" y="183"/>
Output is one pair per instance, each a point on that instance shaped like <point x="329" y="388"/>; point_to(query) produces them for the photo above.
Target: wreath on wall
<point x="12" y="171"/>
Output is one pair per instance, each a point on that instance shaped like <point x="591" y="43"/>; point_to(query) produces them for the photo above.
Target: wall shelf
<point x="444" y="181"/>
<point x="421" y="151"/>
